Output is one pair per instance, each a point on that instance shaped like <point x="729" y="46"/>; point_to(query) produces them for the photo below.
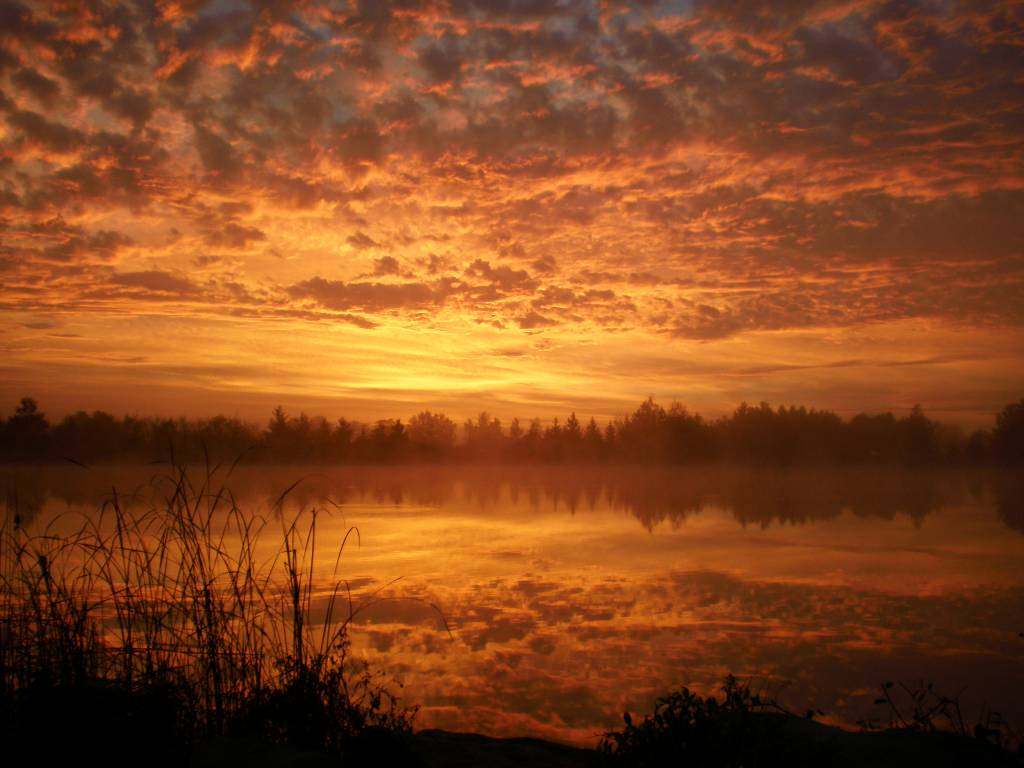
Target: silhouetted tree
<point x="918" y="442"/>
<point x="431" y="435"/>
<point x="751" y="434"/>
<point x="484" y="438"/>
<point x="278" y="436"/>
<point x="871" y="438"/>
<point x="979" y="447"/>
<point x="26" y="432"/>
<point x="1008" y="435"/>
<point x="593" y="443"/>
<point x="572" y="436"/>
<point x="533" y="441"/>
<point x="386" y="442"/>
<point x="552" y="444"/>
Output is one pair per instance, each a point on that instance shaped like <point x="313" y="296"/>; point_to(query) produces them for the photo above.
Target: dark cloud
<point x="852" y="57"/>
<point x="42" y="88"/>
<point x="386" y="265"/>
<point x="361" y="240"/>
<point x="218" y="156"/>
<point x="53" y="135"/>
<point x="504" y="277"/>
<point x="534" y="319"/>
<point x="102" y="245"/>
<point x="156" y="281"/>
<point x="545" y="265"/>
<point x="357" y="143"/>
<point x="335" y="294"/>
<point x="234" y="235"/>
<point x="442" y="60"/>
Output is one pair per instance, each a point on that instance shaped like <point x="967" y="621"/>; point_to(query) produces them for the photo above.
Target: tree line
<point x="756" y="434"/>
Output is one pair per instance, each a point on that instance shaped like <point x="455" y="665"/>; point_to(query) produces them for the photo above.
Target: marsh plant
<point x="153" y="627"/>
<point x="916" y="707"/>
<point x="736" y="729"/>
<point x="743" y="728"/>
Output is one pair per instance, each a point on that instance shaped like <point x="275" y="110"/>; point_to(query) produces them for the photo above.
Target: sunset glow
<point x="527" y="207"/>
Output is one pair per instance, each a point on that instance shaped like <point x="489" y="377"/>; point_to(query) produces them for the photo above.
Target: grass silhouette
<point x="156" y="630"/>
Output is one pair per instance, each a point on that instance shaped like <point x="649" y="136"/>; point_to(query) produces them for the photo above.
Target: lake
<point x="569" y="595"/>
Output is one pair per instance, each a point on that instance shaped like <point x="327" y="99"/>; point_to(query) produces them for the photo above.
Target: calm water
<point x="573" y="595"/>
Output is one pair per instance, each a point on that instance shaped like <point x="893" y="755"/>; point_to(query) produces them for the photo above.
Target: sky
<point x="524" y="206"/>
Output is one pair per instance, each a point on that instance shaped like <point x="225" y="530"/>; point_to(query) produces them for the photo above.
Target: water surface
<point x="572" y="595"/>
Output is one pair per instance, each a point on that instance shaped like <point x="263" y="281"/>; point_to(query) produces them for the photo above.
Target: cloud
<point x="361" y="240"/>
<point x="545" y="265"/>
<point x="36" y="129"/>
<point x="441" y="61"/>
<point x="674" y="172"/>
<point x="385" y="265"/>
<point x="335" y="294"/>
<point x="357" y="143"/>
<point x="504" y="277"/>
<point x="533" y="319"/>
<point x="42" y="88"/>
<point x="217" y="154"/>
<point x="233" y="235"/>
<point x="156" y="281"/>
<point x="102" y="245"/>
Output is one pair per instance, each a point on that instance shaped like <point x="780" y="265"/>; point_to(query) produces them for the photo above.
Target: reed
<point x="188" y="615"/>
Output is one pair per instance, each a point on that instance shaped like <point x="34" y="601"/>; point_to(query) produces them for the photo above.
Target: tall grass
<point x="190" y="616"/>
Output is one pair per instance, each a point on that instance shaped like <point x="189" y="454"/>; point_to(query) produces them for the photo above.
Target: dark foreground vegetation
<point x="136" y="637"/>
<point x="751" y="434"/>
<point x="742" y="728"/>
<point x="174" y="636"/>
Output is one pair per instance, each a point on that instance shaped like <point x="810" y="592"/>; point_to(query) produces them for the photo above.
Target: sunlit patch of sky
<point x="724" y="185"/>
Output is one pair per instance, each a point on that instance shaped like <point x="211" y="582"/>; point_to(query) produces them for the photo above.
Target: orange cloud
<point x="715" y="182"/>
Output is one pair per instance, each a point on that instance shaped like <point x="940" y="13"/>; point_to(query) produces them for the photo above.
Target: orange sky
<point x="370" y="208"/>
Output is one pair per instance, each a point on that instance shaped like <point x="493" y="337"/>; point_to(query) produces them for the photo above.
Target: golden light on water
<point x="547" y="602"/>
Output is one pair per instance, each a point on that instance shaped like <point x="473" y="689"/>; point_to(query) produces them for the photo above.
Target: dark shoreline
<point x="433" y="748"/>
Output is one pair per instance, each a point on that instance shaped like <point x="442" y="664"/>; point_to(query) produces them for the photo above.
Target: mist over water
<point x="572" y="594"/>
